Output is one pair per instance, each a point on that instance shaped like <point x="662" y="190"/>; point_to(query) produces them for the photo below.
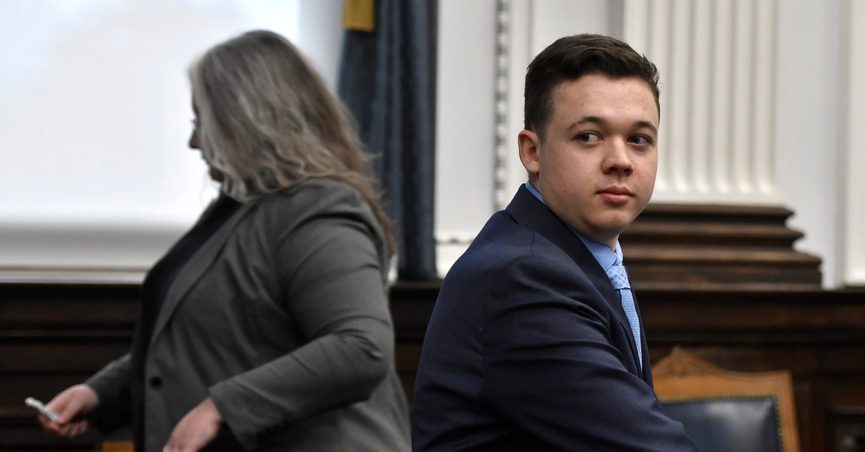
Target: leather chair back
<point x="724" y="410"/>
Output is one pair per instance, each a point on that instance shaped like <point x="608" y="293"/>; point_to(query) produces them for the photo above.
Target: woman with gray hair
<point x="266" y="326"/>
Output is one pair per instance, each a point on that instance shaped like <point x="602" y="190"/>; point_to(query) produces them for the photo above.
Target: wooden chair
<point x="724" y="410"/>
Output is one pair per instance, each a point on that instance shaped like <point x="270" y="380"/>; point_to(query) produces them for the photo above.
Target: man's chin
<point x="613" y="225"/>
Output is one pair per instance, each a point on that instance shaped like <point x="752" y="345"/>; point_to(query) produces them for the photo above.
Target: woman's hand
<point x="71" y="406"/>
<point x="196" y="430"/>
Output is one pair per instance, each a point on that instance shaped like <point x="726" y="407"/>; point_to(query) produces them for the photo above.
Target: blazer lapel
<point x="195" y="268"/>
<point x="530" y="212"/>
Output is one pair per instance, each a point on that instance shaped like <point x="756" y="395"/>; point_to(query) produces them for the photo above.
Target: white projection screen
<point x="95" y="174"/>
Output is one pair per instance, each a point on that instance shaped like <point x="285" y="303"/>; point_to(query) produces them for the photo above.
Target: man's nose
<point x="617" y="158"/>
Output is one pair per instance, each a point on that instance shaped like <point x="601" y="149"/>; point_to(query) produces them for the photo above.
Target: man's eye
<point x="588" y="137"/>
<point x="641" y="140"/>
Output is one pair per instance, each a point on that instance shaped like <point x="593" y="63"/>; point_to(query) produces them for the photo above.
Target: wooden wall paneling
<point x="818" y="335"/>
<point x="411" y="305"/>
<point x="52" y="335"/>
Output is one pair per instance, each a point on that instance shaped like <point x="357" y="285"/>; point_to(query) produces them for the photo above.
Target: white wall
<point x="851" y="241"/>
<point x="809" y="127"/>
<point x="464" y="123"/>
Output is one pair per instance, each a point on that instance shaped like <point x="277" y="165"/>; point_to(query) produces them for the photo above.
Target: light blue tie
<point x="619" y="277"/>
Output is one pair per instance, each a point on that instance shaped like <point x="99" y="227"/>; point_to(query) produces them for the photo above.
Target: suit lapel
<point x="195" y="268"/>
<point x="531" y="213"/>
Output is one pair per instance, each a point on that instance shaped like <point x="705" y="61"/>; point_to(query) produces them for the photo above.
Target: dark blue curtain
<point x="387" y="80"/>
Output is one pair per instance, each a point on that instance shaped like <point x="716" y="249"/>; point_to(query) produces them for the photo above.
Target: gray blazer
<point x="281" y="317"/>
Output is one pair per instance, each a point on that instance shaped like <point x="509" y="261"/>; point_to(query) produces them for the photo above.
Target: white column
<point x="852" y="208"/>
<point x="717" y="65"/>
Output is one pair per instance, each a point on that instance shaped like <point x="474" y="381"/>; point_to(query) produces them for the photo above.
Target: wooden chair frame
<point x="682" y="376"/>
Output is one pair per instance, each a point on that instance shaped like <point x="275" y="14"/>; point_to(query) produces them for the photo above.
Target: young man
<point x="535" y="342"/>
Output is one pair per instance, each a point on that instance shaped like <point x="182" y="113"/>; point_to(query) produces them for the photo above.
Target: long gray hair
<point x="266" y="121"/>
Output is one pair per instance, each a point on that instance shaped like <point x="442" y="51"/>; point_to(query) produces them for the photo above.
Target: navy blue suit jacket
<point x="528" y="348"/>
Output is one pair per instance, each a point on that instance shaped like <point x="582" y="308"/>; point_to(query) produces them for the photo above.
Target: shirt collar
<point x="602" y="253"/>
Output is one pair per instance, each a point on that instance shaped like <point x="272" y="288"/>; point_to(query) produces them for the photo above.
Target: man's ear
<point x="530" y="151"/>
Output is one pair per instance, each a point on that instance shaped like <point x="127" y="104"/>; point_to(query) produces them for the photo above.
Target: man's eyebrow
<point x="588" y="120"/>
<point x="603" y="122"/>
<point x="647" y="125"/>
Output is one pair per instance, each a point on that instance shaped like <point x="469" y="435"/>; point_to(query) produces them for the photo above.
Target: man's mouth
<point x="616" y="195"/>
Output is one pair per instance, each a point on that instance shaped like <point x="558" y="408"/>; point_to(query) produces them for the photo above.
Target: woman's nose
<point x="193" y="139"/>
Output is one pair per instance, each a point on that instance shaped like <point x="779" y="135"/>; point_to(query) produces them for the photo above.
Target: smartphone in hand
<point x="40" y="407"/>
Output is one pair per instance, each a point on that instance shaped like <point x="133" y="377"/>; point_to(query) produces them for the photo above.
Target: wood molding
<point x="680" y="246"/>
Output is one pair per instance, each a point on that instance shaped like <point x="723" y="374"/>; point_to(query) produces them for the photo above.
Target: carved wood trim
<point x="680" y="246"/>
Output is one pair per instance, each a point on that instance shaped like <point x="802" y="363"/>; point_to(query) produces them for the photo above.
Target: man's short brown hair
<point x="572" y="57"/>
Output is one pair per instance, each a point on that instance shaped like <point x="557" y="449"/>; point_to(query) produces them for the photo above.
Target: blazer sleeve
<point x="331" y="273"/>
<point x="112" y="385"/>
<point x="551" y="368"/>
